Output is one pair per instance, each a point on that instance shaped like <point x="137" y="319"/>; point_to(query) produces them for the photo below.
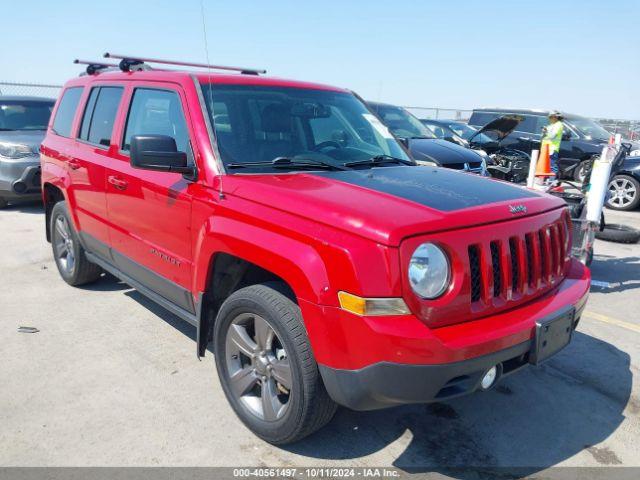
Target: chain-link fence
<point x="440" y="113"/>
<point x="30" y="89"/>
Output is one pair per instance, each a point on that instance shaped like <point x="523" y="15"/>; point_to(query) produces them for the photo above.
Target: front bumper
<point x="387" y="384"/>
<point x="20" y="179"/>
<point x="371" y="363"/>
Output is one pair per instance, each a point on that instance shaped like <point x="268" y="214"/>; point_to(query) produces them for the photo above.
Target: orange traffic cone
<point x="543" y="167"/>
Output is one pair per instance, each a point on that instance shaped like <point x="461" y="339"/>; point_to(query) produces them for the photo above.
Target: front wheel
<point x="624" y="193"/>
<point x="266" y="366"/>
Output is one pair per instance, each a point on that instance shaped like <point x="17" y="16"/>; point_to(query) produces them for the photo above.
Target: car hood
<point x="388" y="204"/>
<point x="32" y="138"/>
<point x="441" y="151"/>
<point x="500" y="127"/>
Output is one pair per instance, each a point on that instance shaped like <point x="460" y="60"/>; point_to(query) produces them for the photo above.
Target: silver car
<point x="23" y="123"/>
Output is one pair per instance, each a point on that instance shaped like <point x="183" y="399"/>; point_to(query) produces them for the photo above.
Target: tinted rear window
<point x="530" y="124"/>
<point x="480" y="119"/>
<point x="66" y="111"/>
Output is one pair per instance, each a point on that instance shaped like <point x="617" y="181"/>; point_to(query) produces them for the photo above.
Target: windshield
<point x="589" y="128"/>
<point x="467" y="131"/>
<point x="401" y="122"/>
<point x="256" y="124"/>
<point x="24" y="114"/>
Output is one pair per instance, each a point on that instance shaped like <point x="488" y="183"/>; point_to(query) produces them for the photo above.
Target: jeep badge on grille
<point x="517" y="209"/>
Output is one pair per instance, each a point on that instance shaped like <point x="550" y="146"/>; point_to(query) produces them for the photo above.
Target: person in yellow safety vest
<point x="552" y="136"/>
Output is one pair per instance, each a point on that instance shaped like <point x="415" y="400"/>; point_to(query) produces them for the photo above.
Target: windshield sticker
<point x="377" y="124"/>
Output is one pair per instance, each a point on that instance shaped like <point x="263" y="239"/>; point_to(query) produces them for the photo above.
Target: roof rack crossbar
<point x="94" y="67"/>
<point x="253" y="71"/>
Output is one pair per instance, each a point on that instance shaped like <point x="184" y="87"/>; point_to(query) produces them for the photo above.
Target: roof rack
<point x="94" y="67"/>
<point x="129" y="61"/>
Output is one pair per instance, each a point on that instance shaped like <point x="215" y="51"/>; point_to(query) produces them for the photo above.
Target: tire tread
<point x="318" y="408"/>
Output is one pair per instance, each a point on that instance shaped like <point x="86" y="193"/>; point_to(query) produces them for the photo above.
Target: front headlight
<point x="634" y="153"/>
<point x="14" y="150"/>
<point x="429" y="271"/>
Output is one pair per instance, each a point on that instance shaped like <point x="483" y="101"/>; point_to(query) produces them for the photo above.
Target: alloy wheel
<point x="622" y="192"/>
<point x="64" y="244"/>
<point x="258" y="367"/>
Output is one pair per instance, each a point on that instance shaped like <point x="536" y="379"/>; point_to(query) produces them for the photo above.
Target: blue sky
<point x="578" y="56"/>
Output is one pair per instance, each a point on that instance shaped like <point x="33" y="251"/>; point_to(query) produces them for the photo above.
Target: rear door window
<point x="100" y="115"/>
<point x="66" y="111"/>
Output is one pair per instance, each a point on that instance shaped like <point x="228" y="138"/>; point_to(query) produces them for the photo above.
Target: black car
<point x="624" y="188"/>
<point x="424" y="145"/>
<point x="582" y="140"/>
<point x="441" y="129"/>
<point x="503" y="162"/>
<point x="454" y="131"/>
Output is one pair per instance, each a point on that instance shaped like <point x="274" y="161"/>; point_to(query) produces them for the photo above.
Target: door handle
<point x="117" y="182"/>
<point x="74" y="164"/>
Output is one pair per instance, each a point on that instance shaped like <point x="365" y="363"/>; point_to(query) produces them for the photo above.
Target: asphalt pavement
<point x="111" y="379"/>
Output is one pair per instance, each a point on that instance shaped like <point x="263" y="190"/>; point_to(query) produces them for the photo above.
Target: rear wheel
<point x="3" y="202"/>
<point x="624" y="193"/>
<point x="69" y="255"/>
<point x="266" y="366"/>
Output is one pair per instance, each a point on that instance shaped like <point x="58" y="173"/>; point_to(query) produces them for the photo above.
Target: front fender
<point x="299" y="264"/>
<point x="315" y="260"/>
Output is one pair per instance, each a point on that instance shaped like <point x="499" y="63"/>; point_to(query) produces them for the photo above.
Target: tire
<point x="624" y="193"/>
<point x="278" y="407"/>
<point x="614" y="232"/>
<point x="3" y="203"/>
<point x="69" y="255"/>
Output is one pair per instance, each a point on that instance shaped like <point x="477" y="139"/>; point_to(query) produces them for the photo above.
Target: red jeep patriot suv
<point x="286" y="223"/>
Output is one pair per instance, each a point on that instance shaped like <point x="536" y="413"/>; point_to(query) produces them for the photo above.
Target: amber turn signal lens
<point x="372" y="306"/>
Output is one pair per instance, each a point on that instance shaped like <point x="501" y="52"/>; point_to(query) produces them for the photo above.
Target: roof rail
<point x="130" y="60"/>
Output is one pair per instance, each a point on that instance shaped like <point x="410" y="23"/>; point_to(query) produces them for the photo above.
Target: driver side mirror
<point x="566" y="135"/>
<point x="159" y="153"/>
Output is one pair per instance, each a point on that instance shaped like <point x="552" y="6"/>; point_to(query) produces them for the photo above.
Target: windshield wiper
<point x="289" y="163"/>
<point x="379" y="159"/>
